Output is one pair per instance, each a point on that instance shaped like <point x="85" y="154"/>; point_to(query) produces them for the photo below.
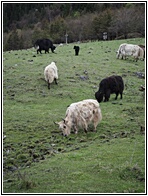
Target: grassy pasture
<point x="36" y="158"/>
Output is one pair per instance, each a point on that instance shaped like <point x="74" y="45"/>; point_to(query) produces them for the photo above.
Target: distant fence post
<point x="66" y="37"/>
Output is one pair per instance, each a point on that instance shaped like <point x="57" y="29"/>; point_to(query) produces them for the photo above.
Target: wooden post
<point x="66" y="37"/>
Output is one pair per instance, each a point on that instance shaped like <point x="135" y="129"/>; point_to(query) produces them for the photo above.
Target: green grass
<point x="36" y="158"/>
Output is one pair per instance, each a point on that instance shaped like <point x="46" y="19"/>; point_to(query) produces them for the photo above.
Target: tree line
<point x="23" y="23"/>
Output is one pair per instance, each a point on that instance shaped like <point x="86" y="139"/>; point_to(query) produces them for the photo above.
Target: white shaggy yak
<point x="81" y="114"/>
<point x="51" y="73"/>
<point x="130" y="50"/>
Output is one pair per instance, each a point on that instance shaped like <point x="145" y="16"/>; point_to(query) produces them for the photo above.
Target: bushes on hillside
<point x="80" y="25"/>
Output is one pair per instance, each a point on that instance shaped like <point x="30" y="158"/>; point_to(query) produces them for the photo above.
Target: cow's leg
<point x="105" y="99"/>
<point x="95" y="125"/>
<point x="107" y="95"/>
<point x="123" y="56"/>
<point x="75" y="130"/>
<point x="46" y="51"/>
<point x="84" y="124"/>
<point x="76" y="52"/>
<point x="121" y="95"/>
<point x="48" y="85"/>
<point x="40" y="51"/>
<point x="116" y="96"/>
<point x="55" y="81"/>
<point x="96" y="120"/>
<point x="85" y="128"/>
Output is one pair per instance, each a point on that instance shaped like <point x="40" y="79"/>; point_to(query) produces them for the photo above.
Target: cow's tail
<point x="142" y="53"/>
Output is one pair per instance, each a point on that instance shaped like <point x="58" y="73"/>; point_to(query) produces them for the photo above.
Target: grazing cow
<point x="77" y="48"/>
<point x="81" y="114"/>
<point x="51" y="73"/>
<point x="130" y="50"/>
<point x="44" y="44"/>
<point x="109" y="85"/>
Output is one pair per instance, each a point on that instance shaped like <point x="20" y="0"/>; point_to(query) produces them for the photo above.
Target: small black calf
<point x="77" y="48"/>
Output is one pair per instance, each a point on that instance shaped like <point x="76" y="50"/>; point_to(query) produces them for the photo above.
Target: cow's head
<point x="36" y="47"/>
<point x="118" y="54"/>
<point x="53" y="48"/>
<point x="99" y="96"/>
<point x="64" y="127"/>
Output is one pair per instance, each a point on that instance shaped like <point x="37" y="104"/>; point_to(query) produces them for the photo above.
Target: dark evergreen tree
<point x="13" y="42"/>
<point x="51" y="20"/>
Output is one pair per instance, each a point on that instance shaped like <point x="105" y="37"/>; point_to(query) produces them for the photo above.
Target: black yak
<point x="109" y="85"/>
<point x="77" y="48"/>
<point x="44" y="44"/>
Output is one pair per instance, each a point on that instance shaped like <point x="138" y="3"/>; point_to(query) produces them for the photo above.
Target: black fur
<point x="44" y="44"/>
<point x="77" y="48"/>
<point x="110" y="85"/>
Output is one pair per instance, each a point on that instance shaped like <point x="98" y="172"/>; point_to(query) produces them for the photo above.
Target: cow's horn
<point x="63" y="120"/>
<point x="55" y="123"/>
